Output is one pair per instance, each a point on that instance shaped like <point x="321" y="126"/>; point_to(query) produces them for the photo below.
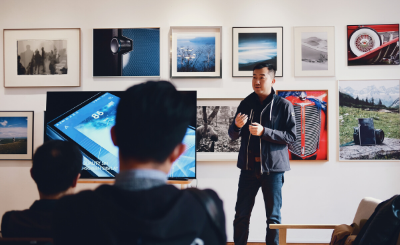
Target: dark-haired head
<point x="271" y="69"/>
<point x="152" y="119"/>
<point x="56" y="166"/>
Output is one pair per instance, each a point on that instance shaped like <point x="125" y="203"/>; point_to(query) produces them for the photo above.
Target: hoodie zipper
<point x="247" y="158"/>
<point x="270" y="119"/>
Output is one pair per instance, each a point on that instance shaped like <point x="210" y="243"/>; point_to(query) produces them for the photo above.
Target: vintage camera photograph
<point x="373" y="44"/>
<point x="212" y="129"/>
<point x="42" y="57"/>
<point x="310" y="108"/>
<point x="369" y="122"/>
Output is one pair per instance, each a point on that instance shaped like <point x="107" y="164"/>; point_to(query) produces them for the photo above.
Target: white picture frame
<point x="218" y="156"/>
<point x="313" y="55"/>
<point x="355" y="102"/>
<point x="189" y="33"/>
<point x="71" y="36"/>
<point x="16" y="135"/>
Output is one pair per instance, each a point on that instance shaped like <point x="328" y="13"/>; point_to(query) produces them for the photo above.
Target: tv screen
<point x="85" y="118"/>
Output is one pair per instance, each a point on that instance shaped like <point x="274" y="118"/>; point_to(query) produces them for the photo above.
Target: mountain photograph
<point x="374" y="100"/>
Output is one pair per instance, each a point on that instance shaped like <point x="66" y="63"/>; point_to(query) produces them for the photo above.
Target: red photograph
<point x="373" y="44"/>
<point x="310" y="108"/>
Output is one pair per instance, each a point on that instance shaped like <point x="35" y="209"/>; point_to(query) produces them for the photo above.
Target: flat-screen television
<point x="85" y="118"/>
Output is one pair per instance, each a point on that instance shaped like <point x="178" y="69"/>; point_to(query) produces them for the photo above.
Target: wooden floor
<point x="260" y="243"/>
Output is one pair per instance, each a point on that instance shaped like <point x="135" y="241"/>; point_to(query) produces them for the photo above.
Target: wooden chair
<point x="364" y="211"/>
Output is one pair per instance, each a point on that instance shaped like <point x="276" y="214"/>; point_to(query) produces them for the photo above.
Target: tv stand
<point x="184" y="183"/>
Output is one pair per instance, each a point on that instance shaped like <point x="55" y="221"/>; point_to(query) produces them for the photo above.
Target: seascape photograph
<point x="195" y="52"/>
<point x="254" y="48"/>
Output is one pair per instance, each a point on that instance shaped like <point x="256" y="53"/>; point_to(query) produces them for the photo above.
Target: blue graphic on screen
<point x="90" y="128"/>
<point x="144" y="59"/>
<point x="185" y="165"/>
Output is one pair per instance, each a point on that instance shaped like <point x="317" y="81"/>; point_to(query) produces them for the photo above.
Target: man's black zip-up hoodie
<point x="278" y="119"/>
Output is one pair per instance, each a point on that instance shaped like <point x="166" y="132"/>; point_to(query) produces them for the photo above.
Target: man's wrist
<point x="236" y="128"/>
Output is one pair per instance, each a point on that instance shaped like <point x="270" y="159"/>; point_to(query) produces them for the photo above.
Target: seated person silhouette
<point x="56" y="169"/>
<point x="141" y="208"/>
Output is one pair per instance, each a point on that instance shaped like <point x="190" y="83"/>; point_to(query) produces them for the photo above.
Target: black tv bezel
<point x="49" y="123"/>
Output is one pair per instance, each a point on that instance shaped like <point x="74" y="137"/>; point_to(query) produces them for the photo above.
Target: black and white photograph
<point x="314" y="51"/>
<point x="255" y="45"/>
<point x="369" y="121"/>
<point x="212" y="129"/>
<point x="42" y="57"/>
<point x="48" y="57"/>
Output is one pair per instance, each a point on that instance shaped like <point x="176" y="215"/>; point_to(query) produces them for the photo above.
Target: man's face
<point x="262" y="81"/>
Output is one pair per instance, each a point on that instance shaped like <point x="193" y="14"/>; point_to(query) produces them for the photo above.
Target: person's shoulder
<point x="213" y="194"/>
<point x="8" y="216"/>
<point x="76" y="200"/>
<point x="249" y="100"/>
<point x="283" y="102"/>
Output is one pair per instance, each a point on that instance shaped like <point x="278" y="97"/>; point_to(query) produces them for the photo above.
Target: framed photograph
<point x="214" y="116"/>
<point x="16" y="135"/>
<point x="369" y="122"/>
<point x="311" y="113"/>
<point x="373" y="44"/>
<point x="254" y="45"/>
<point x="196" y="52"/>
<point x="42" y="57"/>
<point x="133" y="52"/>
<point x="314" y="51"/>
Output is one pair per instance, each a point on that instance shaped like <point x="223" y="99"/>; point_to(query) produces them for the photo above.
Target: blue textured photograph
<point x="126" y="52"/>
<point x="254" y="48"/>
<point x="13" y="135"/>
<point x="195" y="52"/>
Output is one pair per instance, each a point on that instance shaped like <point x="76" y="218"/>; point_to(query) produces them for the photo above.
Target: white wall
<point x="313" y="193"/>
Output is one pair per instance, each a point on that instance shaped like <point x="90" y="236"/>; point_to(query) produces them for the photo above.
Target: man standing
<point x="266" y="124"/>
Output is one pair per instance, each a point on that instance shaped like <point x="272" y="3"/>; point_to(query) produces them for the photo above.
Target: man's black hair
<point x="55" y="166"/>
<point x="152" y="119"/>
<point x="271" y="68"/>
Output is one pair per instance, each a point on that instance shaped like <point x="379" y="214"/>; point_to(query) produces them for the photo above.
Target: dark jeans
<point x="271" y="186"/>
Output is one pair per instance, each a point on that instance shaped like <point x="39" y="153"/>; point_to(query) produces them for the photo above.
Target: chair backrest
<point x="365" y="209"/>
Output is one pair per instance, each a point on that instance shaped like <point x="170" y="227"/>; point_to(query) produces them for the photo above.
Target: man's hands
<point x="256" y="129"/>
<point x="240" y="120"/>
